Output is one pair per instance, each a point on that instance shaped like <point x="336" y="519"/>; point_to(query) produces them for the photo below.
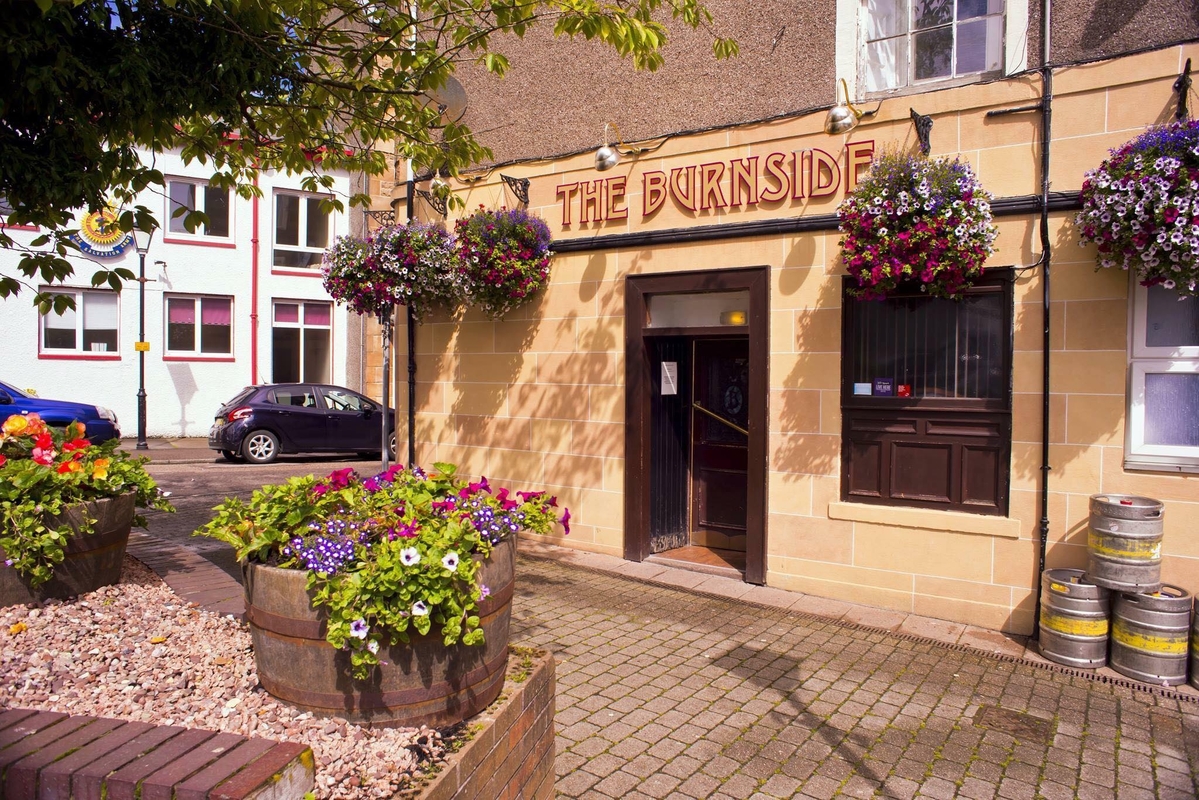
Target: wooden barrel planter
<point x="92" y="560"/>
<point x="421" y="683"/>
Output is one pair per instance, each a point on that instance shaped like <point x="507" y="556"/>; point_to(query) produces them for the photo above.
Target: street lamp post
<point x="141" y="240"/>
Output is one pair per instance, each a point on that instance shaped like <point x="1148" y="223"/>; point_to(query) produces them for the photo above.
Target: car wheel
<point x="260" y="447"/>
<point x="391" y="445"/>
<point x="231" y="455"/>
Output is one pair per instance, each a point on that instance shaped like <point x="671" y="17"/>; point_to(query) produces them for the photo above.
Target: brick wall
<point x="511" y="757"/>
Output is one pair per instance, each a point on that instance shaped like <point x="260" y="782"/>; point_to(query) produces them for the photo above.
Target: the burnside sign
<point x="741" y="182"/>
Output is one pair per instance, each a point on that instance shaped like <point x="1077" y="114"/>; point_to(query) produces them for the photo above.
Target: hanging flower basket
<point x="915" y="221"/>
<point x="1141" y="208"/>
<point x="505" y="258"/>
<point x="410" y="265"/>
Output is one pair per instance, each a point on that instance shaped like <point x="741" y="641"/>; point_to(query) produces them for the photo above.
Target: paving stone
<point x="695" y="697"/>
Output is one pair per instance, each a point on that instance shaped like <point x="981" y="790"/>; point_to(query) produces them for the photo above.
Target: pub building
<point x="697" y="385"/>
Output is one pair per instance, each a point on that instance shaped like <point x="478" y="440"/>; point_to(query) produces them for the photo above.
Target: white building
<point x="238" y="301"/>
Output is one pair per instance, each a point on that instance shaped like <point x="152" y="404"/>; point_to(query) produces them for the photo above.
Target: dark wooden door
<point x="719" y="436"/>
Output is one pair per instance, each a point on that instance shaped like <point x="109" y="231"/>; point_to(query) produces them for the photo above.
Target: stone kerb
<point x="510" y="755"/>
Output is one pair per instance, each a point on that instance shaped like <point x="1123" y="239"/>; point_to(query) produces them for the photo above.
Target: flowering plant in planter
<point x="411" y="265"/>
<point x="504" y="258"/>
<point x="915" y="220"/>
<point x="1141" y="207"/>
<point x="388" y="555"/>
<point x="43" y="472"/>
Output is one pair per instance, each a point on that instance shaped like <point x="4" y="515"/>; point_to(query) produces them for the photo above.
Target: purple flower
<point x="359" y="629"/>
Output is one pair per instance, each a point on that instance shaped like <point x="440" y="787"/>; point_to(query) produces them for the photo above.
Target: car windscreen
<point x="8" y="387"/>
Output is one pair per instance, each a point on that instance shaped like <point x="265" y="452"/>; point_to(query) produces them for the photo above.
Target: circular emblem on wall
<point x="734" y="399"/>
<point x="100" y="235"/>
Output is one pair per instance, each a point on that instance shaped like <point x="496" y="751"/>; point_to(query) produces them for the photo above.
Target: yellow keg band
<point x="1074" y="627"/>
<point x="1127" y="548"/>
<point x="1148" y="643"/>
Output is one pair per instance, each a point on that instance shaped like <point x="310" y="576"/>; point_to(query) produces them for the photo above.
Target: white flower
<point x="359" y="629"/>
<point x="450" y="561"/>
<point x="409" y="556"/>
<point x="419" y="609"/>
<point x="373" y="646"/>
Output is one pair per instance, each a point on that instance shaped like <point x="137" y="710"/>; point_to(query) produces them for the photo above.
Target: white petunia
<point x="409" y="556"/>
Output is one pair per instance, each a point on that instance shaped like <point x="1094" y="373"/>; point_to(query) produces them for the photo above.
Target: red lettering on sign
<point x="615" y="207"/>
<point x="776" y="171"/>
<point x="858" y="156"/>
<point x="684" y="195"/>
<point x="710" y="176"/>
<point x="566" y="191"/>
<point x="800" y="174"/>
<point x="743" y="188"/>
<point x="653" y="192"/>
<point x="591" y="200"/>
<point x="826" y="174"/>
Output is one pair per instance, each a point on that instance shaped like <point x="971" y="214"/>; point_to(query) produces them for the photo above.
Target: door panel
<point x="719" y="425"/>
<point x="296" y="415"/>
<point x="350" y="426"/>
<point x="670" y="447"/>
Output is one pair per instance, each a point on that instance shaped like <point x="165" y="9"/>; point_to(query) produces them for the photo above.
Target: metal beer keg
<point x="1150" y="633"/>
<point x="1124" y="543"/>
<point x="1075" y="619"/>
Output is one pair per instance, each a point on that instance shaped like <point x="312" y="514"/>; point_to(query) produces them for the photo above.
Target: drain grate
<point x="1020" y="726"/>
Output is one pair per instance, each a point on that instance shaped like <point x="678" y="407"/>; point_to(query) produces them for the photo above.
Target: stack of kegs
<point x="1150" y="621"/>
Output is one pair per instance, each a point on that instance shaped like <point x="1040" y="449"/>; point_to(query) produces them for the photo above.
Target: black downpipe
<point x="411" y="319"/>
<point x="1046" y="138"/>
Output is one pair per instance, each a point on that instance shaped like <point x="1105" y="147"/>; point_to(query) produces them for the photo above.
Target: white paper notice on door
<point x="670" y="377"/>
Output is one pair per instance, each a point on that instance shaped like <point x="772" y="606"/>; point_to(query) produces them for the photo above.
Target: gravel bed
<point x="136" y="651"/>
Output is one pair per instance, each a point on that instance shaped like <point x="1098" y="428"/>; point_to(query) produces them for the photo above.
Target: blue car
<point x="261" y="422"/>
<point x="100" y="422"/>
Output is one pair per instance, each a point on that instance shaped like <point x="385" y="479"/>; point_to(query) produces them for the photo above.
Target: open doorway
<point x="696" y="412"/>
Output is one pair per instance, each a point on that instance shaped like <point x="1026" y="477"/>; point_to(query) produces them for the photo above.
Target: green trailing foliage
<point x="243" y="85"/>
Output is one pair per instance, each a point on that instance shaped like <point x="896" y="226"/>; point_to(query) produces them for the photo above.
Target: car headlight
<point x="106" y="413"/>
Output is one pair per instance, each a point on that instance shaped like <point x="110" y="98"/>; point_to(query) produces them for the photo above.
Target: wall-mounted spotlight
<point x="924" y="129"/>
<point x="844" y="117"/>
<point x="607" y="156"/>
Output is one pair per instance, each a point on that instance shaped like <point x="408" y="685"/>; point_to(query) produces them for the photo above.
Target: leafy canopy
<point x="245" y="84"/>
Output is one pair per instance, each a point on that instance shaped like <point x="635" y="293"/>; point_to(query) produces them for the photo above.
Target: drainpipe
<point x="254" y="287"/>
<point x="411" y="320"/>
<point x="1046" y="131"/>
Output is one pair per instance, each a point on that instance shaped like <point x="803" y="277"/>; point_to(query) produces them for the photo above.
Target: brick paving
<point x="666" y="693"/>
<point x="678" y="685"/>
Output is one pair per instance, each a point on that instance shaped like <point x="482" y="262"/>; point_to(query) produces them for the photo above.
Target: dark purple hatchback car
<point x="263" y="421"/>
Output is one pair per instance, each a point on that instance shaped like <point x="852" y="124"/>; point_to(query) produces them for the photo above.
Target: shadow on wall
<point x="185" y="390"/>
<point x="803" y="447"/>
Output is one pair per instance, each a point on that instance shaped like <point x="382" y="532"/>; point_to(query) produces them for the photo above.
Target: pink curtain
<point x="287" y="312"/>
<point x="215" y="312"/>
<point x="316" y="313"/>
<point x="181" y="312"/>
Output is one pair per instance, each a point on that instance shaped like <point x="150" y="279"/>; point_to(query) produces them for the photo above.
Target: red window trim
<point x="4" y="226"/>
<point x="199" y="242"/>
<point x="76" y="357"/>
<point x="217" y="360"/>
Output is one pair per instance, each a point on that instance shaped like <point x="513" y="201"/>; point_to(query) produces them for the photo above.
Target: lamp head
<point x="843" y="117"/>
<point x="606" y="158"/>
<point x="142" y="239"/>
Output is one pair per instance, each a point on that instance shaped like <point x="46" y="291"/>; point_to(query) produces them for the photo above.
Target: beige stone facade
<point x="538" y="399"/>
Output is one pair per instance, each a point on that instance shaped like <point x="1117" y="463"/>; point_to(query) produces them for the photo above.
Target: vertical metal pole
<point x="409" y="210"/>
<point x="385" y="320"/>
<point x="411" y="386"/>
<point x="141" y="353"/>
